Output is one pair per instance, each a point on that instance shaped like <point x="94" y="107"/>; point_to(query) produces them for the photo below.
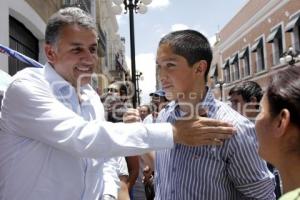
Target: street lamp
<point x="138" y="91"/>
<point x="220" y="84"/>
<point x="290" y="57"/>
<point x="139" y="6"/>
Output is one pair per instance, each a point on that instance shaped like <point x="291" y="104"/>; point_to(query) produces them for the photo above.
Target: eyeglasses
<point x="114" y="90"/>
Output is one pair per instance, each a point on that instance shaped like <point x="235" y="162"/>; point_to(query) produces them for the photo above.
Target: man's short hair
<point x="247" y="90"/>
<point x="67" y="16"/>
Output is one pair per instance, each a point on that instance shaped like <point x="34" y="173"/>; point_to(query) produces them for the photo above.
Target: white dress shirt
<point x="149" y="119"/>
<point x="112" y="170"/>
<point x="53" y="147"/>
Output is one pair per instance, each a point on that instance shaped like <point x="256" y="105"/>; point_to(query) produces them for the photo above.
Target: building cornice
<point x="260" y="16"/>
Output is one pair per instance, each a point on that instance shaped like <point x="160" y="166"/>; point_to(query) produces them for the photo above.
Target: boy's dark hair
<point x="247" y="90"/>
<point x="191" y="45"/>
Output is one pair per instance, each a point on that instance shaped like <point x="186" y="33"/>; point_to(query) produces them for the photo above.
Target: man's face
<point x="158" y="102"/>
<point x="74" y="56"/>
<point x="144" y="111"/>
<point x="247" y="109"/>
<point x="176" y="76"/>
<point x="237" y="102"/>
<point x="112" y="90"/>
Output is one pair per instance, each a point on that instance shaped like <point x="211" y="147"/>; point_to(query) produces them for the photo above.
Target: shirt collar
<point x="58" y="83"/>
<point x="208" y="104"/>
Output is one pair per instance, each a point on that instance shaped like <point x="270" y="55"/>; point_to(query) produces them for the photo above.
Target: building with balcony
<point x="250" y="46"/>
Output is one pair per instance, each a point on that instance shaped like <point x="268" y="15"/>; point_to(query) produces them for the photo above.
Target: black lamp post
<point x="138" y="6"/>
<point x="220" y="84"/>
<point x="138" y="91"/>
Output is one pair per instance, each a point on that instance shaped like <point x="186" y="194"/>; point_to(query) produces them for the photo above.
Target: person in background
<point x="158" y="101"/>
<point x="278" y="128"/>
<point x="115" y="106"/>
<point x="144" y="110"/>
<point x="143" y="188"/>
<point x="53" y="135"/>
<point x="118" y="168"/>
<point x="245" y="98"/>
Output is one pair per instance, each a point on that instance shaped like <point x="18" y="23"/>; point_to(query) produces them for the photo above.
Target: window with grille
<point x="23" y="41"/>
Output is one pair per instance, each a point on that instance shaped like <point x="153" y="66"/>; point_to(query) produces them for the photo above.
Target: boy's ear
<point x="201" y="66"/>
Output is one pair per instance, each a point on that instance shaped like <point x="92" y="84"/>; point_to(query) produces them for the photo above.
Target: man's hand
<point x="148" y="175"/>
<point x="131" y="115"/>
<point x="201" y="131"/>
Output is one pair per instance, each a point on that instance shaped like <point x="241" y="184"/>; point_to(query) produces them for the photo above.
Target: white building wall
<point x="22" y="11"/>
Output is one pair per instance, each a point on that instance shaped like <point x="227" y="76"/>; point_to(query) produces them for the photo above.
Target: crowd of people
<point x="59" y="140"/>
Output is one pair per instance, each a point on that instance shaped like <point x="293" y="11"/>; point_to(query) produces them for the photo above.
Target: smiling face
<point x="74" y="56"/>
<point x="178" y="79"/>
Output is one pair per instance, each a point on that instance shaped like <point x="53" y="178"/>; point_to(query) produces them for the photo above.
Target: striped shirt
<point x="231" y="171"/>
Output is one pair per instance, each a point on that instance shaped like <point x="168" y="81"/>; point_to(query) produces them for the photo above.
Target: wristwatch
<point x="108" y="197"/>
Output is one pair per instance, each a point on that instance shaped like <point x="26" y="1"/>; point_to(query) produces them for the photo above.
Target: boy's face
<point x="176" y="76"/>
<point x="74" y="56"/>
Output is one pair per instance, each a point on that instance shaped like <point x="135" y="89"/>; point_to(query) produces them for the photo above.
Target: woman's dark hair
<point x="284" y="93"/>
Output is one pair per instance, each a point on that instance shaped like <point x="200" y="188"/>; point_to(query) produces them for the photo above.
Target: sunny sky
<point x="164" y="16"/>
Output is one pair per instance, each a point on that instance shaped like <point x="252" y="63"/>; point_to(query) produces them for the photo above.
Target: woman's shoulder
<point x="292" y="195"/>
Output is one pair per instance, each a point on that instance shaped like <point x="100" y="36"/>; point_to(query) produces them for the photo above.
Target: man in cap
<point x="158" y="102"/>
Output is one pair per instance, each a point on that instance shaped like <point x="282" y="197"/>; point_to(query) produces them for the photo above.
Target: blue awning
<point x="243" y="53"/>
<point x="233" y="59"/>
<point x="273" y="34"/>
<point x="256" y="45"/>
<point x="225" y="64"/>
<point x="213" y="71"/>
<point x="292" y="23"/>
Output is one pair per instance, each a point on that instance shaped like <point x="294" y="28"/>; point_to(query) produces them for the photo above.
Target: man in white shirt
<point x="53" y="136"/>
<point x="158" y="102"/>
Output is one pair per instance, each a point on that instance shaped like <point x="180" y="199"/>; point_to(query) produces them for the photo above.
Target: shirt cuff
<point x="160" y="135"/>
<point x="112" y="192"/>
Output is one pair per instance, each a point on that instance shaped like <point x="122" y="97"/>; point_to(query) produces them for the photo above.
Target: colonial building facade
<point x="250" y="46"/>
